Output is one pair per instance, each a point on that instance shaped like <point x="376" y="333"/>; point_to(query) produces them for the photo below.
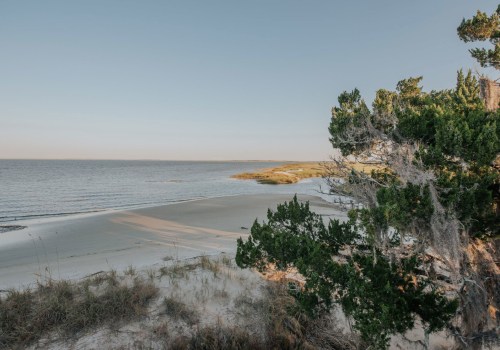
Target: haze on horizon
<point x="219" y="80"/>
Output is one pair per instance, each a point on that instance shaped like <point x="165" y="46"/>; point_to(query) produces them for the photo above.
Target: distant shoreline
<point x="288" y="173"/>
<point x="294" y="172"/>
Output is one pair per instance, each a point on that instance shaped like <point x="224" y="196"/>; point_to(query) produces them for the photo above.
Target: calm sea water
<point x="38" y="188"/>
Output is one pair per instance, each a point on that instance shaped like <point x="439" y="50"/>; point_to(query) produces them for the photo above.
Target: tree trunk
<point x="490" y="92"/>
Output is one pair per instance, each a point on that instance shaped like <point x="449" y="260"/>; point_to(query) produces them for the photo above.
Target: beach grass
<point x="207" y="303"/>
<point x="69" y="307"/>
<point x="179" y="310"/>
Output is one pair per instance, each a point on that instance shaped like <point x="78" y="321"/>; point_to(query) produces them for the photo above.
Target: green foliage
<point x="362" y="264"/>
<point x="409" y="91"/>
<point x="357" y="264"/>
<point x="467" y="92"/>
<point x="403" y="205"/>
<point x="349" y="132"/>
<point x="383" y="110"/>
<point x="482" y="27"/>
<point x="458" y="141"/>
<point x="384" y="102"/>
<point x="382" y="295"/>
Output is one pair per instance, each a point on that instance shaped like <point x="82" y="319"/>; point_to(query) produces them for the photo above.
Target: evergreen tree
<point x="383" y="295"/>
<point x="482" y="28"/>
<point x="431" y="199"/>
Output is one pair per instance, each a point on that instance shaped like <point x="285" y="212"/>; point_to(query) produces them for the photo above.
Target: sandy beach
<point x="76" y="246"/>
<point x="157" y="241"/>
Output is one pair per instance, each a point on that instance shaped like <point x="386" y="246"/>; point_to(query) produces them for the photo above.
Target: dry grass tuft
<point x="177" y="270"/>
<point x="208" y="264"/>
<point x="285" y="327"/>
<point x="130" y="271"/>
<point x="69" y="307"/>
<point x="278" y="327"/>
<point x="179" y="310"/>
<point x="223" y="338"/>
<point x="227" y="261"/>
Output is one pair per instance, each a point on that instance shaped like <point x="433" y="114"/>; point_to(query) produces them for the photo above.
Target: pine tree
<point x="482" y="28"/>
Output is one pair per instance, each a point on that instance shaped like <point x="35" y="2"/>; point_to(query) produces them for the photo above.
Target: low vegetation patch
<point x="202" y="304"/>
<point x="179" y="310"/>
<point x="293" y="173"/>
<point x="284" y="174"/>
<point x="177" y="270"/>
<point x="284" y="327"/>
<point x="69" y="307"/>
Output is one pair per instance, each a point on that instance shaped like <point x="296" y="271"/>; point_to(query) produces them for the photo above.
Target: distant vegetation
<point x="284" y="174"/>
<point x="292" y="173"/>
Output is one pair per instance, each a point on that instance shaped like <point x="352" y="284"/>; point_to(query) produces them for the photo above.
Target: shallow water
<point x="38" y="188"/>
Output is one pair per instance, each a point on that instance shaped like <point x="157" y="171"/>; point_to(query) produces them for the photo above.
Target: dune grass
<point x="284" y="328"/>
<point x="179" y="310"/>
<point x="25" y="315"/>
<point x="204" y="303"/>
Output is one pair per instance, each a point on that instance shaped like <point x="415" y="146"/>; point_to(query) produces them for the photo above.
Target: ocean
<point x="45" y="188"/>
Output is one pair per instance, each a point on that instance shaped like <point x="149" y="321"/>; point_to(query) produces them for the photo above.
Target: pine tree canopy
<point x="482" y="28"/>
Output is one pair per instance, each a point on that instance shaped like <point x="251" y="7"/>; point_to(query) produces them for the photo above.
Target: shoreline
<point x="83" y="187"/>
<point x="9" y="228"/>
<point x="75" y="246"/>
<point x="42" y="218"/>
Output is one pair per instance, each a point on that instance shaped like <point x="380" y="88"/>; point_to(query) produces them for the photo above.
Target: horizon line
<point x="170" y="160"/>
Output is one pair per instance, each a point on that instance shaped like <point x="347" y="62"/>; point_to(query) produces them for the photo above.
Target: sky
<point x="209" y="80"/>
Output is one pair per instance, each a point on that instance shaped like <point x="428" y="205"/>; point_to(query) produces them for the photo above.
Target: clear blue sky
<point x="218" y="80"/>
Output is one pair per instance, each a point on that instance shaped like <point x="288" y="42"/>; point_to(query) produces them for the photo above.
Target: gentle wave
<point x="44" y="188"/>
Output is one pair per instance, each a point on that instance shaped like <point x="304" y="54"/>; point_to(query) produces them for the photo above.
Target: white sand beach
<point x="76" y="246"/>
